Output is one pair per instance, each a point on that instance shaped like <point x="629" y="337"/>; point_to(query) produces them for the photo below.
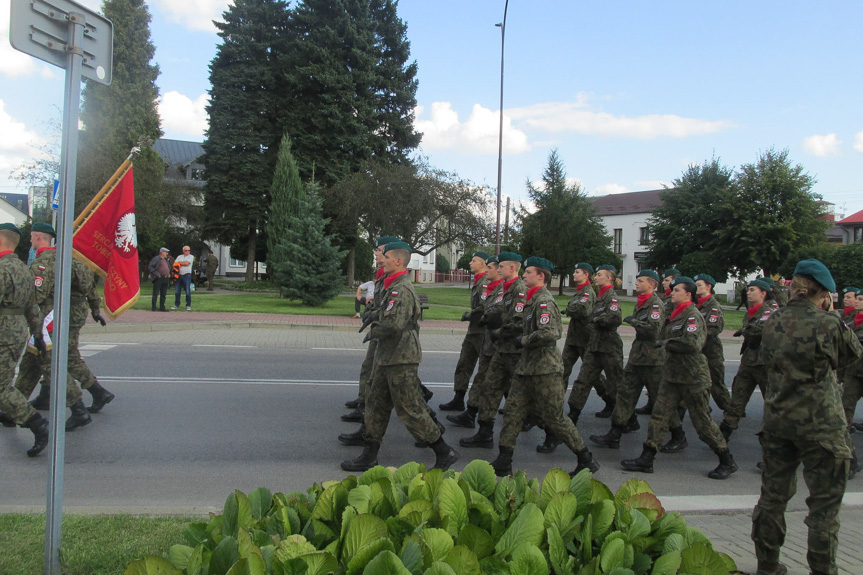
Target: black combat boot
<point x="632" y="424"/>
<point x="101" y="397"/>
<point x="466" y="418"/>
<point x="771" y="568"/>
<point x="42" y="402"/>
<point x="352" y="404"/>
<point x="677" y="442"/>
<point x="80" y="416"/>
<point x="856" y="465"/>
<point x="39" y="426"/>
<point x="646" y="409"/>
<point x="483" y="438"/>
<point x="573" y="415"/>
<point x="643" y="463"/>
<point x="457" y="403"/>
<point x="441" y="428"/>
<point x="550" y="444"/>
<point x="445" y="455"/>
<point x="355" y="438"/>
<point x="607" y="410"/>
<point x="529" y="423"/>
<point x="427" y="393"/>
<point x="355" y="416"/>
<point x="503" y="464"/>
<point x="610" y="439"/>
<point x="585" y="461"/>
<point x="367" y="459"/>
<point x="726" y="466"/>
<point x="6" y="421"/>
<point x="726" y="430"/>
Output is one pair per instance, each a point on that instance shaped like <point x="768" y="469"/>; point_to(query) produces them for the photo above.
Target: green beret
<point x="491" y="260"/>
<point x="607" y="267"/>
<point x="43" y="227"/>
<point x="508" y="257"/>
<point x="671" y="272"/>
<point x="397" y="246"/>
<point x="648" y="274"/>
<point x="384" y="240"/>
<point x="759" y="284"/>
<point x="483" y="255"/>
<point x="706" y="278"/>
<point x="768" y="280"/>
<point x="584" y="266"/>
<point x="682" y="280"/>
<point x="852" y="289"/>
<point x="536" y="262"/>
<point x="817" y="271"/>
<point x="11" y="227"/>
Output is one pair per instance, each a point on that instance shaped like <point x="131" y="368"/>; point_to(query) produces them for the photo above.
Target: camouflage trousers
<point x="590" y="376"/>
<point x="366" y="370"/>
<point x="747" y="379"/>
<point x="471" y="348"/>
<point x="33" y="368"/>
<point x="542" y="397"/>
<point x="635" y="377"/>
<point x="398" y="386"/>
<point x="697" y="401"/>
<point x="12" y="402"/>
<point x="825" y="471"/>
<point x="473" y="395"/>
<point x="715" y="355"/>
<point x="78" y="370"/>
<point x="497" y="381"/>
<point x="852" y="391"/>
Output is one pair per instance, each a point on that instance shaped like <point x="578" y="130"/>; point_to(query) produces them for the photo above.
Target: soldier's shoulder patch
<point x="41" y="268"/>
<point x="614" y="306"/>
<point x="520" y="294"/>
<point x="499" y="298"/>
<point x="654" y="314"/>
<point x="692" y="327"/>
<point x="543" y="305"/>
<point x="38" y="281"/>
<point x="395" y="293"/>
<point x="483" y="296"/>
<point x="585" y="298"/>
<point x="390" y="306"/>
<point x="544" y="318"/>
<point x="656" y="306"/>
<point x="519" y="307"/>
<point x="713" y="319"/>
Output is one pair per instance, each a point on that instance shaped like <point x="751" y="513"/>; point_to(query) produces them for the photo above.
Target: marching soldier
<point x="536" y="386"/>
<point x="19" y="315"/>
<point x="668" y="276"/>
<point x="714" y="318"/>
<point x="395" y="381"/>
<point x="801" y="346"/>
<point x="644" y="367"/>
<point x="849" y="304"/>
<point x="852" y="386"/>
<point x="685" y="378"/>
<point x="471" y="347"/>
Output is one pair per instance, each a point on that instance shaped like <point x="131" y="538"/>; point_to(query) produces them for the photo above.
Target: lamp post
<point x="502" y="26"/>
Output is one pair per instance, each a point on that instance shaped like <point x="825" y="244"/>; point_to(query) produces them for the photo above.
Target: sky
<point x="628" y="93"/>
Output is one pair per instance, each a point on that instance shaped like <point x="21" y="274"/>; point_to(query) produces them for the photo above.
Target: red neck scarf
<point x="858" y="320"/>
<point x="753" y="310"/>
<point x="604" y="289"/>
<point x="40" y="250"/>
<point x="679" y="309"/>
<point x="532" y="291"/>
<point x="849" y="310"/>
<point x="478" y="277"/>
<point x="667" y="292"/>
<point x="507" y="285"/>
<point x="6" y="253"/>
<point x="379" y="274"/>
<point x="642" y="299"/>
<point x="490" y="287"/>
<point x="701" y="300"/>
<point x="388" y="281"/>
<point x="580" y="287"/>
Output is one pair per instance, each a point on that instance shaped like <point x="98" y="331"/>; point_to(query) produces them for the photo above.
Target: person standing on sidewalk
<point x="801" y="346"/>
<point x="160" y="274"/>
<point x="212" y="266"/>
<point x="184" y="280"/>
<point x="471" y="346"/>
<point x="364" y="297"/>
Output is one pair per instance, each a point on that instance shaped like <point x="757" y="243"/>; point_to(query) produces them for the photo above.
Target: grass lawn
<point x="92" y="544"/>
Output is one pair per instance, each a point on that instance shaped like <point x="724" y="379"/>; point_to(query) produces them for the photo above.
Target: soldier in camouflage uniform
<point x="801" y="347"/>
<point x="395" y="381"/>
<point x="849" y="304"/>
<point x="852" y="385"/>
<point x="751" y="372"/>
<point x="777" y="295"/>
<point x="492" y="295"/>
<point x="19" y="315"/>
<point x="604" y="352"/>
<point x="536" y="386"/>
<point x="714" y="318"/>
<point x="668" y="276"/>
<point x="685" y="378"/>
<point x="471" y="346"/>
<point x="505" y="320"/>
<point x="644" y="367"/>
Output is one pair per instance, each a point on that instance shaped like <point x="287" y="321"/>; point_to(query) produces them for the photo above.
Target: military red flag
<point x="106" y="240"/>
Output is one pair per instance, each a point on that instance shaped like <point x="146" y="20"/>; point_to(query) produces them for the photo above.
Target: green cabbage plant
<point x="410" y="521"/>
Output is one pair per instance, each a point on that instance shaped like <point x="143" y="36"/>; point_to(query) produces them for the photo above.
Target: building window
<point x="643" y="236"/>
<point x="617" y="246"/>
<point x="237" y="263"/>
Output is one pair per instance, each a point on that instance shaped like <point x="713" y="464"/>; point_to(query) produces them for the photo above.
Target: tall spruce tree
<point x="285" y="197"/>
<point x="246" y="109"/>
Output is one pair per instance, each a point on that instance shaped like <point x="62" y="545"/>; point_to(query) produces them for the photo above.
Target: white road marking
<point x="222" y="345"/>
<point x="243" y="381"/>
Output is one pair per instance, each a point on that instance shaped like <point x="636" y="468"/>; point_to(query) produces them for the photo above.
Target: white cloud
<point x="12" y="62"/>
<point x="858" y="142"/>
<point x="652" y="184"/>
<point x="606" y="189"/>
<point x="478" y="134"/>
<point x="822" y="145"/>
<point x="194" y="14"/>
<point x="16" y="146"/>
<point x="182" y="116"/>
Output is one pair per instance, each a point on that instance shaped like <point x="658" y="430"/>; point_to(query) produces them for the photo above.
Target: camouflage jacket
<point x="20" y="314"/>
<point x="714" y="319"/>
<point x="752" y="329"/>
<point x="648" y="320"/>
<point x="666" y="301"/>
<point x="684" y="337"/>
<point x="508" y="314"/>
<point x="542" y="329"/>
<point x="606" y="319"/>
<point x="855" y="369"/>
<point x="82" y="291"/>
<point x="492" y="298"/>
<point x="396" y="327"/>
<point x="580" y="310"/>
<point x="477" y="304"/>
<point x="802" y="347"/>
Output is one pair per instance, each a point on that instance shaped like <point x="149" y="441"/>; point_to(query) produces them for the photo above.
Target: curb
<point x="207" y="325"/>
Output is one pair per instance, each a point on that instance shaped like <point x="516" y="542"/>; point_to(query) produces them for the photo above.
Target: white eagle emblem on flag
<point x="126" y="236"/>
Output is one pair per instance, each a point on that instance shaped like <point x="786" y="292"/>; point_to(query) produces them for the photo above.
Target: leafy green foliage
<point x="408" y="521"/>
